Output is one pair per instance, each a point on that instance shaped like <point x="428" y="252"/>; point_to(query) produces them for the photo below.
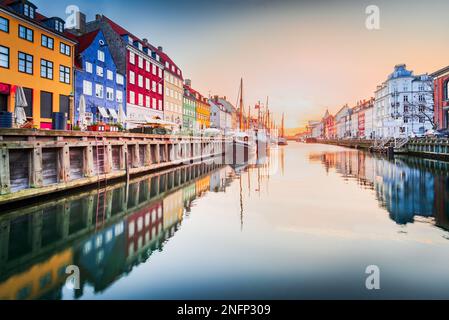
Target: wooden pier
<point x="38" y="162"/>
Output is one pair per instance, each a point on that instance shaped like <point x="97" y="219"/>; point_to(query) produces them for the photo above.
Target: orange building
<point x="36" y="55"/>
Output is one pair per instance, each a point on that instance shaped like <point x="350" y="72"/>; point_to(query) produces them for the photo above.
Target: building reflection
<point x="408" y="188"/>
<point x="104" y="232"/>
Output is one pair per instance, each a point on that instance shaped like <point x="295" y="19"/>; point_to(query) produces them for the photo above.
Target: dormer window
<point x="59" y="26"/>
<point x="28" y="10"/>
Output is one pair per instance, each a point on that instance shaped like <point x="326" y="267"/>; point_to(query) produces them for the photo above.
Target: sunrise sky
<point x="305" y="55"/>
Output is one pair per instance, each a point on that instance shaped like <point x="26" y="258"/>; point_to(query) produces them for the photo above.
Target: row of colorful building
<point x="404" y="105"/>
<point x="98" y="72"/>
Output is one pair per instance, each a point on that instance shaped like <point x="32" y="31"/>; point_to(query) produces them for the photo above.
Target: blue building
<point x="97" y="79"/>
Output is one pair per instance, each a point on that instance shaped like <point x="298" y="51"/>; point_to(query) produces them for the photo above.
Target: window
<point x="89" y="67"/>
<point x="147" y="84"/>
<point x="421" y="98"/>
<point x="87" y="88"/>
<point x="422" y="120"/>
<point x="25" y="63"/>
<point x="154" y="86"/>
<point x="147" y="65"/>
<point x="46" y="104"/>
<point x="140" y="81"/>
<point x="154" y="69"/>
<point x="110" y="75"/>
<point x="64" y="74"/>
<point x="119" y="79"/>
<point x="99" y="71"/>
<point x="26" y="33"/>
<point x="132" y="77"/>
<point x="4" y="24"/>
<point x="119" y="96"/>
<point x="59" y="26"/>
<point x="64" y="49"/>
<point x="132" y="58"/>
<point x="159" y="72"/>
<point x="46" y="69"/>
<point x="100" y="56"/>
<point x="109" y="94"/>
<point x="160" y="88"/>
<point x="99" y="91"/>
<point x="153" y="103"/>
<point x="147" y="101"/>
<point x="47" y="42"/>
<point x="160" y="104"/>
<point x="4" y="57"/>
<point x="140" y="62"/>
<point x="28" y="10"/>
<point x="132" y="97"/>
<point x="406" y="98"/>
<point x="140" y="99"/>
<point x="64" y="104"/>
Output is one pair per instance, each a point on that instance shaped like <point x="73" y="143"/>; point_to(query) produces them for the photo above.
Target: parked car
<point x="442" y="133"/>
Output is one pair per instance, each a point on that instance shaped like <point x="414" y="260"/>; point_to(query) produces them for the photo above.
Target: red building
<point x="441" y="97"/>
<point x="140" y="62"/>
<point x="329" y="126"/>
<point x="143" y="227"/>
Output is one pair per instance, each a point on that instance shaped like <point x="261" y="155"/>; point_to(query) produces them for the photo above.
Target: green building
<point x="189" y="109"/>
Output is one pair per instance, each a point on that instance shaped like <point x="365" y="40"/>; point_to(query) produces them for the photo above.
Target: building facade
<point x="441" y="97"/>
<point x="97" y="79"/>
<point x="217" y="114"/>
<point x="202" y="111"/>
<point x="36" y="55"/>
<point x="141" y="65"/>
<point x="404" y="104"/>
<point x="189" y="109"/>
<point x="174" y="90"/>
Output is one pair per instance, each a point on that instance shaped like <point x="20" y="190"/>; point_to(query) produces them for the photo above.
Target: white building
<point x="316" y="129"/>
<point x="218" y="115"/>
<point x="341" y="119"/>
<point x="403" y="104"/>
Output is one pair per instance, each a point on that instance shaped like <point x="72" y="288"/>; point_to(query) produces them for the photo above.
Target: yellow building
<point x="36" y="55"/>
<point x="202" y="111"/>
<point x="202" y="185"/>
<point x="37" y="280"/>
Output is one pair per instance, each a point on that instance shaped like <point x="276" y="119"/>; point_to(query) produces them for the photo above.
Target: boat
<point x="282" y="141"/>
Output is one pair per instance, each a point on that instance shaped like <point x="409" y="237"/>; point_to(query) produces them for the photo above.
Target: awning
<point x="103" y="112"/>
<point x="5" y="88"/>
<point x="113" y="113"/>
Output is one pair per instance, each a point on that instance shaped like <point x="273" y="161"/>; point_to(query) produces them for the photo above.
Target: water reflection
<point x="410" y="189"/>
<point x="105" y="232"/>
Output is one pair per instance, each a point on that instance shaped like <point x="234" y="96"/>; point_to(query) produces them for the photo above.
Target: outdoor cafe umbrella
<point x="121" y="115"/>
<point x="82" y="111"/>
<point x="21" y="103"/>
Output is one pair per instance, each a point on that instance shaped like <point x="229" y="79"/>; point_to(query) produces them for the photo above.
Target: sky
<point x="306" y="56"/>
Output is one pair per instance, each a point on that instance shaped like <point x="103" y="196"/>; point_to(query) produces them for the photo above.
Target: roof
<point x="400" y="71"/>
<point x="440" y="72"/>
<point x="38" y="18"/>
<point x="84" y="42"/>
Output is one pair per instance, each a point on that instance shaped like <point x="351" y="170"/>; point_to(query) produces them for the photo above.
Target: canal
<point x="303" y="223"/>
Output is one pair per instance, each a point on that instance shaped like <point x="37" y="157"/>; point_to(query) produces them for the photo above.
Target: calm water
<point x="304" y="223"/>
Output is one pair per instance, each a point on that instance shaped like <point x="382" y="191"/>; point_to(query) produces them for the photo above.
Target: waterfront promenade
<point x="39" y="162"/>
<point x="437" y="148"/>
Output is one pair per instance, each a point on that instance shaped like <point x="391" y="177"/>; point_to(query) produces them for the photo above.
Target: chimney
<point x="160" y="49"/>
<point x="81" y="23"/>
<point x="216" y="99"/>
<point x="97" y="17"/>
<point x="145" y="40"/>
<point x="188" y="82"/>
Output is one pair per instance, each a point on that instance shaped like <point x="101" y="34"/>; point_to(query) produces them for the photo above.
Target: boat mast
<point x="241" y="105"/>
<point x="282" y="128"/>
